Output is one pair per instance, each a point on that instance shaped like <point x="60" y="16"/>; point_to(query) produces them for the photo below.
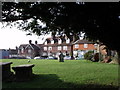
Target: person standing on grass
<point x="61" y="57"/>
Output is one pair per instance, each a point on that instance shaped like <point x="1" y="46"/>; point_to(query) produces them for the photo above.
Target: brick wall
<point x="81" y="47"/>
<point x="55" y="49"/>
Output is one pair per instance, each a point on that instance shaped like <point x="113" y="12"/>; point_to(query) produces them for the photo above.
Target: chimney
<point x="30" y="41"/>
<point x="36" y="42"/>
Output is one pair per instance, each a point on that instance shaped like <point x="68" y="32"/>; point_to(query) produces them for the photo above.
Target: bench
<point x="6" y="70"/>
<point x="23" y="72"/>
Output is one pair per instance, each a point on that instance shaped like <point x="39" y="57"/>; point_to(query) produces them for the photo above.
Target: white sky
<point x="12" y="37"/>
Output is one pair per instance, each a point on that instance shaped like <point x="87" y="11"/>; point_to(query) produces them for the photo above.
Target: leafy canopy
<point x="98" y="20"/>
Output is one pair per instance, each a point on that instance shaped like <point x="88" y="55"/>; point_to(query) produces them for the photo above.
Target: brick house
<point x="30" y="50"/>
<point x="52" y="46"/>
<point x="80" y="47"/>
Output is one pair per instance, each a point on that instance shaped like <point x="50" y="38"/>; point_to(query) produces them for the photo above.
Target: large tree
<point x="100" y="21"/>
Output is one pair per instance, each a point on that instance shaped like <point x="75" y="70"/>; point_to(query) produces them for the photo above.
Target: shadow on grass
<point x="51" y="81"/>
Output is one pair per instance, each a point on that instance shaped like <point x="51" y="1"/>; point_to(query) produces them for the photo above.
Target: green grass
<point x="68" y="74"/>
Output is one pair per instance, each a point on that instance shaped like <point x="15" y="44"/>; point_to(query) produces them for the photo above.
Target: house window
<point x="46" y="43"/>
<point x="49" y="48"/>
<point x="22" y="50"/>
<point x="18" y="51"/>
<point x="76" y="45"/>
<point x="59" y="41"/>
<point x="85" y="45"/>
<point x="59" y="48"/>
<point x="68" y="41"/>
<point x="52" y="41"/>
<point x="95" y="45"/>
<point x="64" y="47"/>
<point x="29" y="51"/>
<point x="45" y="48"/>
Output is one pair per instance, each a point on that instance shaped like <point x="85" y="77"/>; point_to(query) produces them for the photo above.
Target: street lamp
<point x="99" y="49"/>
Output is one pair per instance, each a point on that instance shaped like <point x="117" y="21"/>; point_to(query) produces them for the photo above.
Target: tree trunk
<point x="72" y="52"/>
<point x="119" y="68"/>
<point x="119" y="57"/>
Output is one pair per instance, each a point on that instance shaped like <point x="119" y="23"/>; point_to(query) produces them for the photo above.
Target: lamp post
<point x="99" y="49"/>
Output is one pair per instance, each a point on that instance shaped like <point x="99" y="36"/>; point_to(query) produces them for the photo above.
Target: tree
<point x="98" y="20"/>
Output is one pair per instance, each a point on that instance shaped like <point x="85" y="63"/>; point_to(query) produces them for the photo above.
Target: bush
<point x="96" y="57"/>
<point x="88" y="55"/>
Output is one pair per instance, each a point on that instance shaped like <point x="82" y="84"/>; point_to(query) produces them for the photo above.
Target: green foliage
<point x="68" y="74"/>
<point x="89" y="55"/>
<point x="98" y="20"/>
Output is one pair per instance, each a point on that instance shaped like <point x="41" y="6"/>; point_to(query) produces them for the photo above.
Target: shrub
<point x="88" y="55"/>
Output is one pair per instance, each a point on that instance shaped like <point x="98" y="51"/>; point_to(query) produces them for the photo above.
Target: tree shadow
<point x="52" y="81"/>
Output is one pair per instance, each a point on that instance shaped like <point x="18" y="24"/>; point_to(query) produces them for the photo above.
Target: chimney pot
<point x="36" y="42"/>
<point x="30" y="41"/>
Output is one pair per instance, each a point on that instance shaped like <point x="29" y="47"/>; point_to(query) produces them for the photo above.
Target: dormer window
<point x="59" y="41"/>
<point x="52" y="41"/>
<point x="45" y="42"/>
<point x="68" y="40"/>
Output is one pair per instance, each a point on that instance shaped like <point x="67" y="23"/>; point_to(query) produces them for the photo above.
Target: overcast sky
<point x="12" y="37"/>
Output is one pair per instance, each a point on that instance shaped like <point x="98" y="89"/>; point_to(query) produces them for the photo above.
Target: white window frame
<point x="59" y="41"/>
<point x="18" y="51"/>
<point x="49" y="48"/>
<point x="45" y="42"/>
<point x="59" y="47"/>
<point x="52" y="41"/>
<point x="22" y="50"/>
<point x="85" y="45"/>
<point x="65" y="47"/>
<point x="76" y="45"/>
<point x="45" y="48"/>
<point x="29" y="51"/>
<point x="95" y="45"/>
<point x="68" y="40"/>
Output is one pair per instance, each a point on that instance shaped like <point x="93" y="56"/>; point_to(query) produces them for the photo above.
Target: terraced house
<point x="68" y="46"/>
<point x="52" y="46"/>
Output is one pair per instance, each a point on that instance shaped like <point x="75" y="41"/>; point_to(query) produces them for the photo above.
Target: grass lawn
<point x="68" y="74"/>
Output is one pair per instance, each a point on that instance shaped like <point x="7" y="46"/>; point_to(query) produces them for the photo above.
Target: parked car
<point x="28" y="57"/>
<point x="67" y="57"/>
<point x="40" y="57"/>
<point x="52" y="57"/>
<point x="78" y="58"/>
<point x="15" y="57"/>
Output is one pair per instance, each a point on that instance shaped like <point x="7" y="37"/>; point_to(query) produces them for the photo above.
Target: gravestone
<point x="61" y="57"/>
<point x="23" y="72"/>
<point x="6" y="70"/>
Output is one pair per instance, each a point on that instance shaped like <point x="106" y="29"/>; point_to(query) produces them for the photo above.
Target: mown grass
<point x="68" y="74"/>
